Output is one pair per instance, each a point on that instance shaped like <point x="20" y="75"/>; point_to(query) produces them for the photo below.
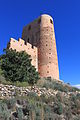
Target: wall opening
<point x="25" y="43"/>
<point x="29" y="28"/>
<point x="47" y="71"/>
<point x="51" y="21"/>
<point x="46" y="44"/>
<point x="32" y="46"/>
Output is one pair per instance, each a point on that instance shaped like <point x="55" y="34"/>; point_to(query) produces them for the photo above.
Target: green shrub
<point x="16" y="66"/>
<point x="4" y="112"/>
<point x="68" y="113"/>
<point x="60" y="87"/>
<point x="59" y="97"/>
<point x="11" y="103"/>
<point x="20" y="84"/>
<point x="73" y="97"/>
<point x="74" y="89"/>
<point x="77" y="118"/>
<point x="78" y="96"/>
<point x="58" y="108"/>
<point x="20" y="113"/>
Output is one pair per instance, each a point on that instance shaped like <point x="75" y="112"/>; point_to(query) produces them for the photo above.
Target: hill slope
<point x="47" y="100"/>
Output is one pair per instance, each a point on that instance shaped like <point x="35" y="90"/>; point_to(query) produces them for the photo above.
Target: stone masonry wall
<point x="40" y="33"/>
<point x="20" y="45"/>
<point x="47" y="53"/>
<point x="31" y="32"/>
<point x="38" y="40"/>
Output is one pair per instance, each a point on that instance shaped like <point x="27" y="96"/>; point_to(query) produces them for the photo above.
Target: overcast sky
<point x="14" y="14"/>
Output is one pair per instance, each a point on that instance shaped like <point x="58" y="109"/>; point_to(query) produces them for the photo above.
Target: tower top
<point x="46" y="15"/>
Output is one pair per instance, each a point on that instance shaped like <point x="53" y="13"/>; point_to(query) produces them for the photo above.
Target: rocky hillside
<point x="47" y="100"/>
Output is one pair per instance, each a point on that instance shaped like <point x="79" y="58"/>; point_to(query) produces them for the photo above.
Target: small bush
<point x="11" y="103"/>
<point x="4" y="112"/>
<point x="58" y="108"/>
<point x="20" y="113"/>
<point x="16" y="66"/>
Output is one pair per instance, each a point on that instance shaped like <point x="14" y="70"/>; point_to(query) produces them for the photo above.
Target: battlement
<point x="21" y="42"/>
<point x="20" y="45"/>
<point x="40" y="33"/>
<point x="38" y="40"/>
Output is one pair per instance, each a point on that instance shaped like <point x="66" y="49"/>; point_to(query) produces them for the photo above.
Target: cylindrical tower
<point x="40" y="33"/>
<point x="47" y="53"/>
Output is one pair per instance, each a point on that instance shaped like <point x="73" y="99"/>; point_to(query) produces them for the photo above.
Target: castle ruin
<point x="38" y="40"/>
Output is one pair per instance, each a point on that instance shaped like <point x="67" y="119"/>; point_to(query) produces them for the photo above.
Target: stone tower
<point x="40" y="33"/>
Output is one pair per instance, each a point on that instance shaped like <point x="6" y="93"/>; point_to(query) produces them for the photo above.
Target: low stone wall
<point x="9" y="91"/>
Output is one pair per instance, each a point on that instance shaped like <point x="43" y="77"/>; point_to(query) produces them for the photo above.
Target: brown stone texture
<point x="31" y="32"/>
<point x="40" y="33"/>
